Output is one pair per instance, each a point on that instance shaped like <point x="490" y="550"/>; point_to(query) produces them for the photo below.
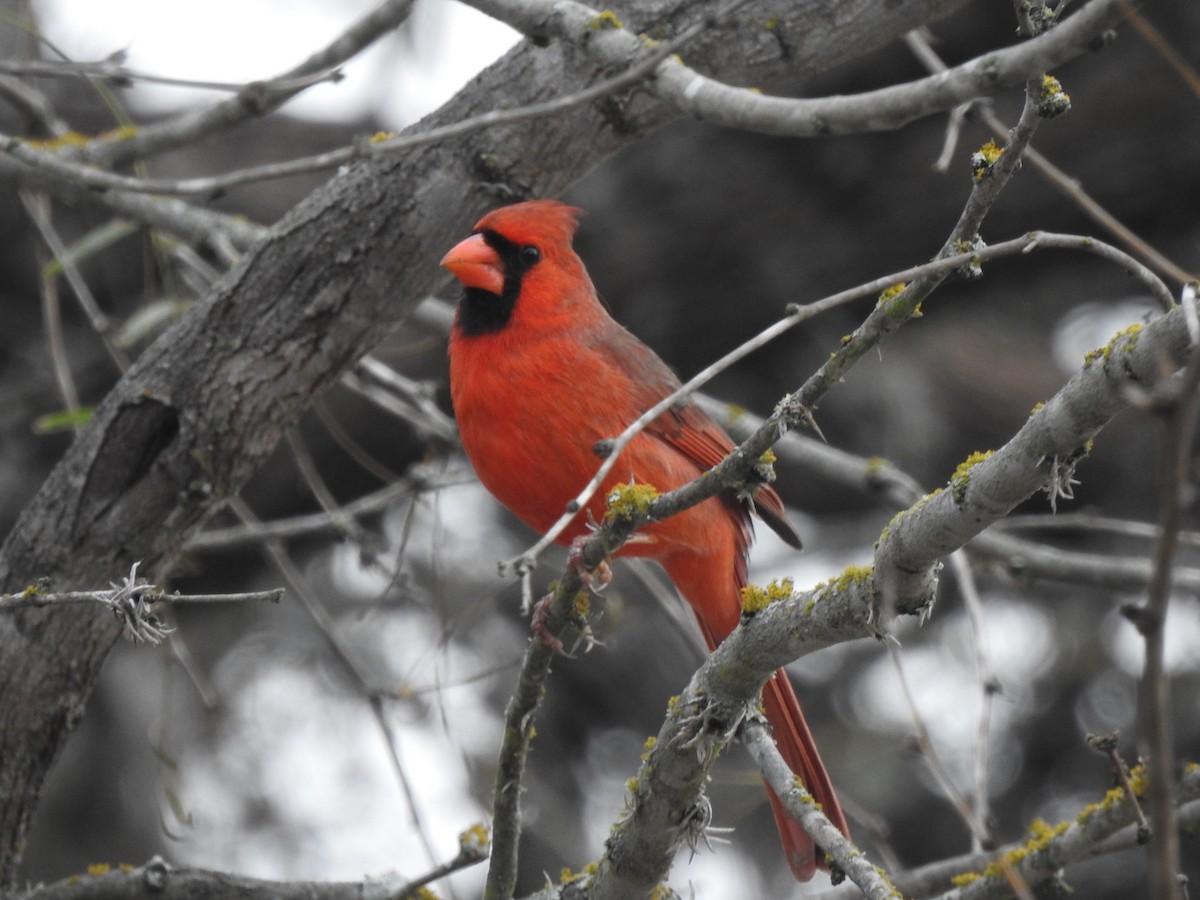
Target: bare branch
<point x="114" y="70"/>
<point x="1059" y="179"/>
<point x="159" y="879"/>
<point x="880" y="110"/>
<point x="254" y="100"/>
<point x="215" y="184"/>
<point x="1100" y="828"/>
<point x="870" y="879"/>
<point x="132" y="601"/>
<point x="419" y="479"/>
<point x="1179" y="403"/>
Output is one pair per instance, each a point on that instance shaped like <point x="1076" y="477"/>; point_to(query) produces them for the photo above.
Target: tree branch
<point x="881" y="110"/>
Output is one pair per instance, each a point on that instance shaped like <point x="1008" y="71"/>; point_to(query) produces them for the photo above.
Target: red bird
<point x="539" y="374"/>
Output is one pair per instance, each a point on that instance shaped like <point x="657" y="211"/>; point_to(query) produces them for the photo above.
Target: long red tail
<point x="799" y="750"/>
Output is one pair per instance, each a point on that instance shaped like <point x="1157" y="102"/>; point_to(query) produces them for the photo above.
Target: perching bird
<point x="539" y="375"/>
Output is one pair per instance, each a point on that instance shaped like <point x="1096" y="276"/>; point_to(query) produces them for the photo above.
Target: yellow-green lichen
<point x="1129" y="335"/>
<point x="755" y="599"/>
<point x="961" y="479"/>
<point x="120" y="133"/>
<point x="762" y="473"/>
<point x="1139" y="780"/>
<point x="895" y="308"/>
<point x="853" y="576"/>
<point x="1040" y="836"/>
<point x="983" y="159"/>
<point x="628" y="501"/>
<point x="648" y="748"/>
<point x="1052" y="100"/>
<point x="98" y="869"/>
<point x="380" y="136"/>
<point x="475" y="840"/>
<point x="804" y="796"/>
<point x="895" y="520"/>
<point x="566" y="876"/>
<point x="607" y="19"/>
<point x="67" y="139"/>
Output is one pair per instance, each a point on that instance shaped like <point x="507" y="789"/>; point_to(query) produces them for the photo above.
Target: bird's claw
<point x="594" y="580"/>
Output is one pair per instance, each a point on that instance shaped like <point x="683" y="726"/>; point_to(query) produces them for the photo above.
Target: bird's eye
<point x="529" y="255"/>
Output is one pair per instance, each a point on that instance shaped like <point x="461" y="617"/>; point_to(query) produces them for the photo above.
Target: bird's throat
<point x="482" y="312"/>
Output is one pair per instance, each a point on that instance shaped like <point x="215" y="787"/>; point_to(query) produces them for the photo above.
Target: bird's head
<point x="518" y="256"/>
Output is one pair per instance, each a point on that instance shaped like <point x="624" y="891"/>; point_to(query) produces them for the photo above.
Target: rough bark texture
<point x="200" y="410"/>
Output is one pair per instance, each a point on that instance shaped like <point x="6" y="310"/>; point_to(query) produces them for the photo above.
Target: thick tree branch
<point x="888" y="108"/>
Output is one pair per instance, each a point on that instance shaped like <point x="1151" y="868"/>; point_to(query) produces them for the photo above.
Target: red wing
<point x="687" y="428"/>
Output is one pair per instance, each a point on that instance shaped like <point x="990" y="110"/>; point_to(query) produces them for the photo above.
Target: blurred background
<point x="246" y="743"/>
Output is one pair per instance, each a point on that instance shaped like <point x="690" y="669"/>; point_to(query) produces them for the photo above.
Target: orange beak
<point x="476" y="265"/>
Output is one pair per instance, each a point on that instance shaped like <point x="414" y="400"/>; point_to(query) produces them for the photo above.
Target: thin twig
<point x="311" y="474"/>
<point x="420" y="478"/>
<point x="256" y="99"/>
<point x="981" y="835"/>
<point x="38" y="205"/>
<point x="111" y="70"/>
<point x="101" y="324"/>
<point x="1152" y="36"/>
<point x="349" y="444"/>
<point x="277" y="554"/>
<point x="1059" y="179"/>
<point x="949" y="789"/>
<point x="1180" y="408"/>
<point x="849" y="859"/>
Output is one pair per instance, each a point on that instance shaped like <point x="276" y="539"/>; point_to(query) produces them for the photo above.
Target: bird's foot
<point x="595" y="579"/>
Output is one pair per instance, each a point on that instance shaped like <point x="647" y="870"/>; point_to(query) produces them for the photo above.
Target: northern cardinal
<point x="539" y="374"/>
